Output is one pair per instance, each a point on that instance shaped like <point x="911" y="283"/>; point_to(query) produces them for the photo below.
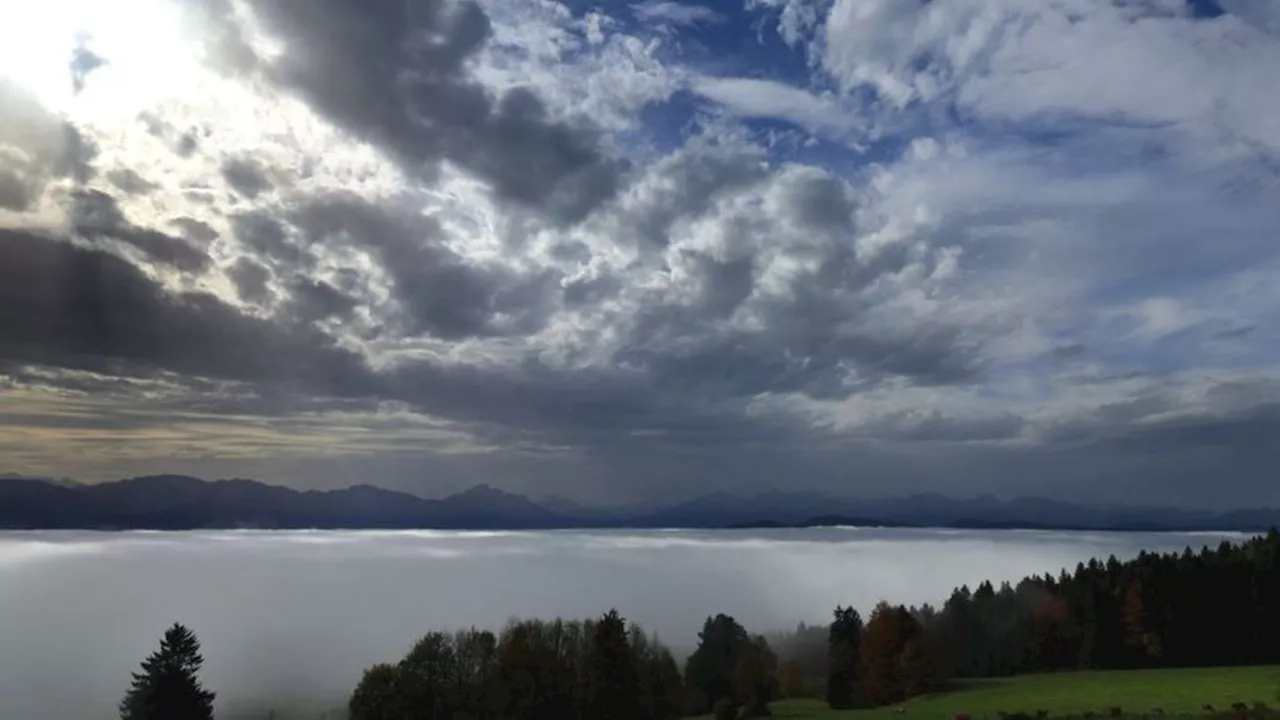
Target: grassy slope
<point x="1183" y="691"/>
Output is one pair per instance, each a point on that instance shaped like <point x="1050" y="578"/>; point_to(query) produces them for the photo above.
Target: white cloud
<point x="578" y="66"/>
<point x="1026" y="60"/>
<point x="1160" y="317"/>
<point x="796" y="18"/>
<point x="755" y="98"/>
<point x="676" y="13"/>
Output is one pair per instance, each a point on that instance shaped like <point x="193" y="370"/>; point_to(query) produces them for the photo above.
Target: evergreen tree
<point x="613" y="682"/>
<point x="168" y="687"/>
<point x="844" y="646"/>
<point x="709" y="671"/>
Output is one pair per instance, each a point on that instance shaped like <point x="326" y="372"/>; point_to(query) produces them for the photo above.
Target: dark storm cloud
<point x="130" y="182"/>
<point x="691" y="184"/>
<point x="601" y="409"/>
<point x="820" y="337"/>
<point x="439" y="291"/>
<point x="1235" y="333"/>
<point x="318" y="300"/>
<point x="394" y="73"/>
<point x="197" y="231"/>
<point x="97" y="215"/>
<point x="251" y="280"/>
<point x="725" y="285"/>
<point x="77" y="308"/>
<point x="590" y="291"/>
<point x="266" y="236"/>
<point x="823" y="203"/>
<point x="15" y="193"/>
<point x="245" y="177"/>
<point x="186" y="144"/>
<point x="1070" y="351"/>
<point x="798" y="350"/>
<point x="1251" y="431"/>
<point x="918" y="426"/>
<point x="678" y="377"/>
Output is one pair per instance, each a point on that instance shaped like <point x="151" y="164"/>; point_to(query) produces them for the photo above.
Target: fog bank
<point x="299" y="614"/>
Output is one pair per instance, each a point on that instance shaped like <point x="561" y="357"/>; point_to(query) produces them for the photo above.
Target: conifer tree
<point x="168" y="688"/>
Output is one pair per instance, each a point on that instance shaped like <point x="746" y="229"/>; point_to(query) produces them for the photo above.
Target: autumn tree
<point x="755" y="677"/>
<point x="791" y="678"/>
<point x="168" y="686"/>
<point x="1139" y="635"/>
<point x="889" y="653"/>
<point x="379" y="695"/>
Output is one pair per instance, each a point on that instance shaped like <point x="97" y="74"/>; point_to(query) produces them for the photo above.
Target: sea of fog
<point x="295" y="616"/>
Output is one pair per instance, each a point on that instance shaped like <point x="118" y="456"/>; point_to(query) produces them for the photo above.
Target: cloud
<point x="675" y="13"/>
<point x="754" y="98"/>
<point x="96" y="215"/>
<point x="1058" y="64"/>
<point x="796" y="18"/>
<point x="14" y="191"/>
<point x="439" y="291"/>
<point x="395" y="76"/>
<point x="130" y="182"/>
<point x="251" y="280"/>
<point x="36" y="147"/>
<point x="72" y="307"/>
<point x="245" y="177"/>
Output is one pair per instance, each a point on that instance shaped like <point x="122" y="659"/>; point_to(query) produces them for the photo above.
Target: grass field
<point x="1176" y="692"/>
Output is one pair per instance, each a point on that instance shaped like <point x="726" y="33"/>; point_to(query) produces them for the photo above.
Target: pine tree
<point x="168" y="687"/>
<point x="613" y="681"/>
<point x="844" y="647"/>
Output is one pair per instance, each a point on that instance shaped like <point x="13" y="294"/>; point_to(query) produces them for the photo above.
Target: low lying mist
<point x="291" y="619"/>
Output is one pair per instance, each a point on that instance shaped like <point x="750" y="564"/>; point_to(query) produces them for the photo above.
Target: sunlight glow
<point x="140" y="54"/>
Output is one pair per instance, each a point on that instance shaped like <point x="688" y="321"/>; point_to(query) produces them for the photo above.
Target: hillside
<point x="1175" y="692"/>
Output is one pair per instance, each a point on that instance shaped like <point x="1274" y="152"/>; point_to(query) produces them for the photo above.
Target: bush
<point x="725" y="709"/>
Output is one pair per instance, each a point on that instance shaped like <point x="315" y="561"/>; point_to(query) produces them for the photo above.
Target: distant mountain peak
<point x="486" y="498"/>
<point x="179" y="502"/>
<point x="171" y="480"/>
<point x="481" y="490"/>
<point x="65" y="482"/>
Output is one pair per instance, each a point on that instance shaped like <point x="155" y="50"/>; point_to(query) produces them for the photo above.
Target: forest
<point x="1216" y="607"/>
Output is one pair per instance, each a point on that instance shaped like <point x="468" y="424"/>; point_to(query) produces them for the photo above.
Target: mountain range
<point x="175" y="502"/>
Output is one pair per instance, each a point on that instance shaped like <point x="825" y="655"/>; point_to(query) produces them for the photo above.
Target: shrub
<point x="725" y="709"/>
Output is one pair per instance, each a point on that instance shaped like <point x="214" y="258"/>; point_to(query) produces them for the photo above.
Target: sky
<point x="626" y="251"/>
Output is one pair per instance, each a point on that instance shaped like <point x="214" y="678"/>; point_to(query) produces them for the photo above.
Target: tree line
<point x="1216" y="607"/>
<point x="1212" y="608"/>
<point x="597" y="669"/>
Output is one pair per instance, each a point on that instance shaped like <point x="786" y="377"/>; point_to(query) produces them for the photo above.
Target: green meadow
<point x="1136" y="692"/>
